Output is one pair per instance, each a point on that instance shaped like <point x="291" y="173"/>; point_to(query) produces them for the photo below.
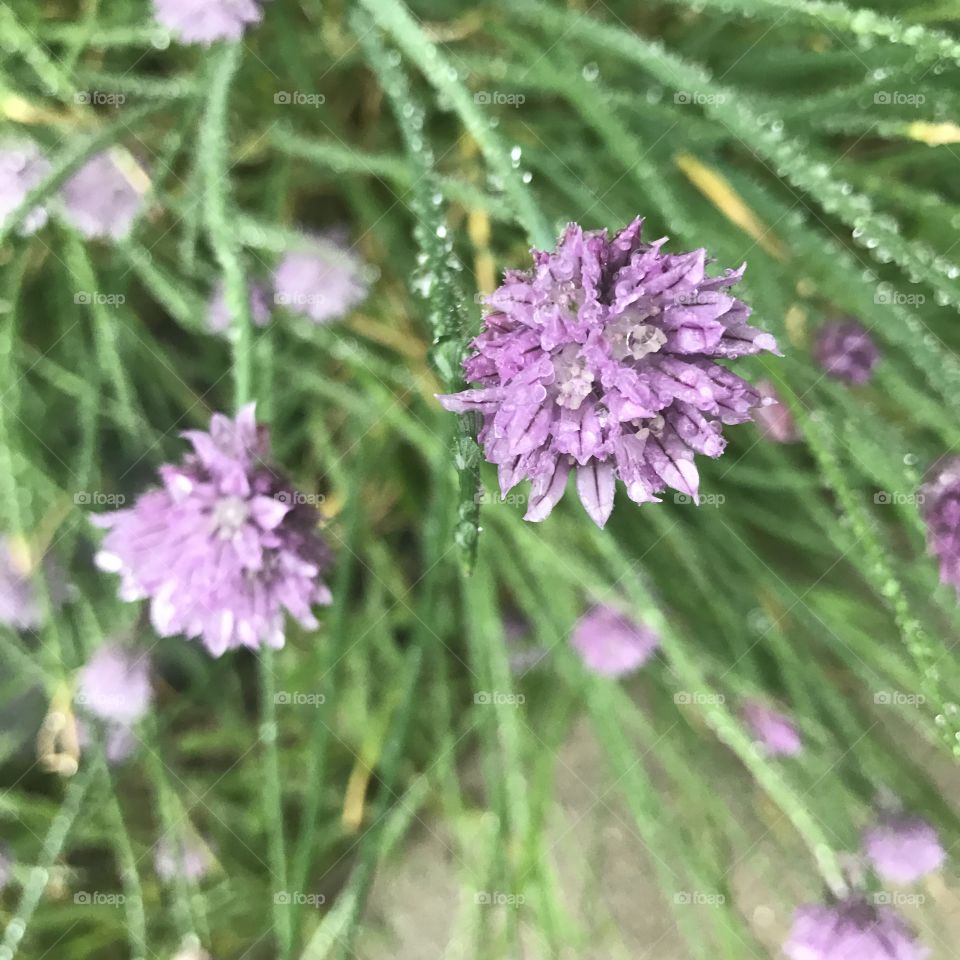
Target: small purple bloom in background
<point x="186" y="857"/>
<point x="322" y="286"/>
<point x="602" y="360"/>
<point x="224" y="547"/>
<point x="21" y="606"/>
<point x="851" y="930"/>
<point x="941" y="511"/>
<point x="119" y="741"/>
<point x="114" y="686"/>
<point x="206" y="21"/>
<point x="773" y="417"/>
<point x="100" y="200"/>
<point x="219" y="319"/>
<point x="903" y="849"/>
<point x="773" y="731"/>
<point x="846" y="351"/>
<point x="22" y="167"/>
<point x="610" y="643"/>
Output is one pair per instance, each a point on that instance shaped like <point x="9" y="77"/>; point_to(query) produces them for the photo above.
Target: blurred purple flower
<point x="846" y="351"/>
<point x="773" y="731"/>
<point x="941" y="511"/>
<point x="612" y="644"/>
<point x="601" y="360"/>
<point x="224" y="547"/>
<point x="119" y="741"/>
<point x="21" y="604"/>
<point x="773" y="417"/>
<point x="22" y="167"/>
<point x="186" y="857"/>
<point x="320" y="286"/>
<point x="115" y="685"/>
<point x="219" y="318"/>
<point x="851" y="930"/>
<point x="206" y="21"/>
<point x="99" y="199"/>
<point x="903" y="849"/>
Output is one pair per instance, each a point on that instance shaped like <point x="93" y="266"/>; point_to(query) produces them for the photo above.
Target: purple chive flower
<point x="114" y="686"/>
<point x="903" y="849"/>
<point x="773" y="731"/>
<point x="611" y="644"/>
<point x="224" y="546"/>
<point x="21" y="603"/>
<point x="206" y="21"/>
<point x="846" y="351"/>
<point x="602" y="360"/>
<point x="322" y="286"/>
<point x="851" y="930"/>
<point x="186" y="857"/>
<point x="22" y="167"/>
<point x="941" y="511"/>
<point x="773" y="418"/>
<point x="219" y="318"/>
<point x="100" y="200"/>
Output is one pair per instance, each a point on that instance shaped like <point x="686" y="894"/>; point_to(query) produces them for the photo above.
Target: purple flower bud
<point x="941" y="511"/>
<point x="115" y="685"/>
<point x="611" y="644"/>
<point x="219" y="319"/>
<point x="186" y="857"/>
<point x="320" y="286"/>
<point x="773" y="418"/>
<point x="602" y="361"/>
<point x="22" y="167"/>
<point x="903" y="849"/>
<point x="773" y="731"/>
<point x="846" y="351"/>
<point x="224" y="547"/>
<point x="21" y="605"/>
<point x="119" y="741"/>
<point x="206" y="21"/>
<point x="851" y="930"/>
<point x="100" y="200"/>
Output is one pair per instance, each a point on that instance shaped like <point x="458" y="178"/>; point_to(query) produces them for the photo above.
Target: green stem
<point x="273" y="806"/>
<point x="214" y="155"/>
<point x="40" y="874"/>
